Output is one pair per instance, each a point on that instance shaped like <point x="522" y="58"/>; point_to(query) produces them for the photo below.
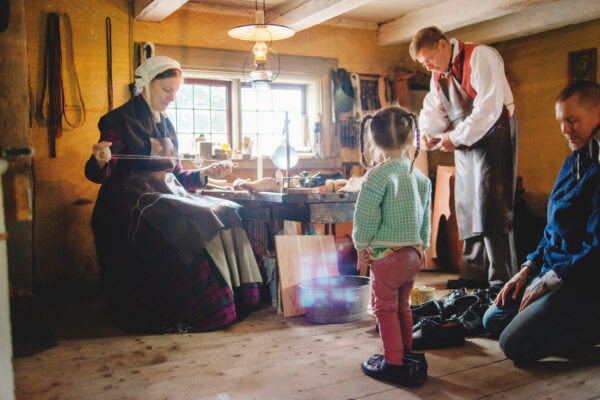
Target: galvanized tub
<point x="335" y="299"/>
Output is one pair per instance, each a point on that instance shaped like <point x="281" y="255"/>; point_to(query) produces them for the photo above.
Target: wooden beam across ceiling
<point x="303" y="14"/>
<point x="449" y="15"/>
<point x="155" y="10"/>
<point x="531" y="21"/>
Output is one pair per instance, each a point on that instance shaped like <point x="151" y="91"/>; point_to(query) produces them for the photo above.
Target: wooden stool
<point x="446" y="249"/>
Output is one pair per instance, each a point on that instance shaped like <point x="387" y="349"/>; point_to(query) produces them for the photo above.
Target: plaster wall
<point x="537" y="70"/>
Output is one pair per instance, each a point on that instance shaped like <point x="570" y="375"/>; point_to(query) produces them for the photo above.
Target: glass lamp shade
<point x="261" y="32"/>
<point x="261" y="77"/>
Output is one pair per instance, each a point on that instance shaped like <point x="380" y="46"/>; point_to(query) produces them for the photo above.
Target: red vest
<point x="461" y="67"/>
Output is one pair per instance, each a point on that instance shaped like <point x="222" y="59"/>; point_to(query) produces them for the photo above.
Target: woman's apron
<point x="187" y="223"/>
<point x="485" y="171"/>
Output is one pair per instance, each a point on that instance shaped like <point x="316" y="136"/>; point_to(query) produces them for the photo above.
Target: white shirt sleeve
<point x="489" y="81"/>
<point x="433" y="118"/>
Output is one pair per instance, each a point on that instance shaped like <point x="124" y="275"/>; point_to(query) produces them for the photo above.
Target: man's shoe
<point x="456" y="308"/>
<point x="436" y="334"/>
<point x="408" y="374"/>
<point x="466" y="283"/>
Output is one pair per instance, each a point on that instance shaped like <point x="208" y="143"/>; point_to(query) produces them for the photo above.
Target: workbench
<point x="306" y="208"/>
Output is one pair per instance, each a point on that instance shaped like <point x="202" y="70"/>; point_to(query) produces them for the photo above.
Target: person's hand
<point x="102" y="154"/>
<point x="515" y="285"/>
<point x="429" y="142"/>
<point x="532" y="292"/>
<point x="423" y="260"/>
<point x="445" y="142"/>
<point x="218" y="170"/>
<point x="364" y="259"/>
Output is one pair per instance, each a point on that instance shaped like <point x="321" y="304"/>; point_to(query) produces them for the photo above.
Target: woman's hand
<point x="516" y="284"/>
<point x="102" y="154"/>
<point x="218" y="170"/>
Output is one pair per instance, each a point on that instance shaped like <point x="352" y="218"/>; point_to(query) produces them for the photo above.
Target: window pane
<point x="185" y="96"/>
<point x="218" y="97"/>
<point x="264" y="100"/>
<point x="186" y="144"/>
<point x="201" y="121"/>
<point x="218" y="140"/>
<point x="248" y="99"/>
<point x="172" y="115"/>
<point x="284" y="99"/>
<point x="248" y="122"/>
<point x="218" y="121"/>
<point x="185" y="121"/>
<point x="201" y="96"/>
<point x="265" y="123"/>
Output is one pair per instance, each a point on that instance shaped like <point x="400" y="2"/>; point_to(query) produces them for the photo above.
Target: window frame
<point x="228" y="64"/>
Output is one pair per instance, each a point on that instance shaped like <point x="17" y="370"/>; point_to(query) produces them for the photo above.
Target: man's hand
<point x="445" y="142"/>
<point x="515" y="285"/>
<point x="532" y="292"/>
<point x="429" y="142"/>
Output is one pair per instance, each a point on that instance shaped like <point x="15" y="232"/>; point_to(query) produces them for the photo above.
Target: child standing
<point x="391" y="231"/>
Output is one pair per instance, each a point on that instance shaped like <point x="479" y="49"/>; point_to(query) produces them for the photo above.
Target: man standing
<point x="469" y="110"/>
<point x="551" y="306"/>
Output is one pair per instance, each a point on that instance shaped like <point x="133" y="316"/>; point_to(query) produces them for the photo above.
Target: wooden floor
<point x="268" y="357"/>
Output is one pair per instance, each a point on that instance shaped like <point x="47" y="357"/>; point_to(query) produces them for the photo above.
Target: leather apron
<point x="155" y="196"/>
<point x="485" y="171"/>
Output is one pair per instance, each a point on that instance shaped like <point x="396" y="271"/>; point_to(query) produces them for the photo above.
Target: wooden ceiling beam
<point x="449" y="15"/>
<point x="155" y="10"/>
<point x="303" y="14"/>
<point x="531" y="21"/>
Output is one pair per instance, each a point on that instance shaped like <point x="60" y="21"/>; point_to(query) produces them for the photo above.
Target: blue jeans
<point x="554" y="324"/>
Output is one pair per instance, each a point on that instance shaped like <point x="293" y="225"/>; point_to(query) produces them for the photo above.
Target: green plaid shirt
<point x="392" y="209"/>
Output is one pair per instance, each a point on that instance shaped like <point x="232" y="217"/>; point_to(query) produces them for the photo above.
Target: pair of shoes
<point x="458" y="306"/>
<point x="408" y="374"/>
<point x="418" y="357"/>
<point x="435" y="333"/>
<point x="467" y="283"/>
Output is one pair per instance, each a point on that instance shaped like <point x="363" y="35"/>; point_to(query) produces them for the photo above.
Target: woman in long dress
<point x="153" y="238"/>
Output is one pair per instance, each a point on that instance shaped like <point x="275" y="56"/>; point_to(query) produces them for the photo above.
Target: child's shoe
<point x="418" y="357"/>
<point x="408" y="374"/>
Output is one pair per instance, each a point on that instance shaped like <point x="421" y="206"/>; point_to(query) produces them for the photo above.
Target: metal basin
<point x="335" y="299"/>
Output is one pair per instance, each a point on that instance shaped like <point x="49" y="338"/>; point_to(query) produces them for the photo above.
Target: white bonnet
<point x="152" y="67"/>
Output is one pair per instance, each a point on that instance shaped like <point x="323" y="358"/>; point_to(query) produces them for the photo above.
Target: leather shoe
<point x="467" y="283"/>
<point x="408" y="374"/>
<point x="418" y="357"/>
<point x="458" y="307"/>
<point x="435" y="334"/>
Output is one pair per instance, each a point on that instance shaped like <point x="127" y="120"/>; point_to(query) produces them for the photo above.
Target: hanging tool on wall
<point x="53" y="79"/>
<point x="109" y="63"/>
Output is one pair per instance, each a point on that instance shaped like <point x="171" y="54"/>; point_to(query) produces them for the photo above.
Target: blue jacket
<point x="570" y="245"/>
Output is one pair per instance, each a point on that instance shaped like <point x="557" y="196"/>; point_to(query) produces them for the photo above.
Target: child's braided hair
<point x="390" y="128"/>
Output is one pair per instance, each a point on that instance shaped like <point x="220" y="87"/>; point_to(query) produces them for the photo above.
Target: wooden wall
<point x="63" y="242"/>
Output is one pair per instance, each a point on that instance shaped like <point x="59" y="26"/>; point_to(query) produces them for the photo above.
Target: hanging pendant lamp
<point x="261" y="33"/>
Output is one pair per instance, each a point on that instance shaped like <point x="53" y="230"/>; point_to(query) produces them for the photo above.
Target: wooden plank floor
<point x="268" y="357"/>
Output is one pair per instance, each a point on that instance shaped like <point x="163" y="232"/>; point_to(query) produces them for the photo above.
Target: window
<point x="204" y="108"/>
<point x="312" y="73"/>
<point x="201" y="108"/>
<point x="263" y="116"/>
